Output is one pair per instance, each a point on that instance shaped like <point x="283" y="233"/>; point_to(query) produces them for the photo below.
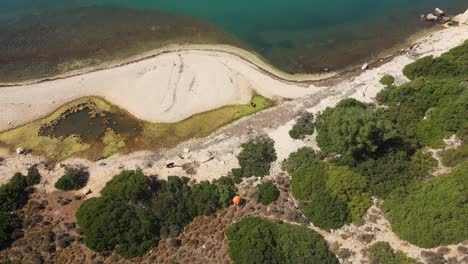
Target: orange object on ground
<point x="237" y="200"/>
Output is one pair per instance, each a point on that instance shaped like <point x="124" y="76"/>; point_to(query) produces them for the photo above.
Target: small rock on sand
<point x="365" y="66"/>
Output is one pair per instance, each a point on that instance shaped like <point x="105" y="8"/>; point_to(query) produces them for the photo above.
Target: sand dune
<point x="166" y="88"/>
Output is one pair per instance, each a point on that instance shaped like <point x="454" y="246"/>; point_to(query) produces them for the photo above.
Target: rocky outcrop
<point x="439" y="12"/>
<point x="431" y="17"/>
<point x="462" y="18"/>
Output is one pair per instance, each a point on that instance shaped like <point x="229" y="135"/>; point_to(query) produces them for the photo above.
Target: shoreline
<point x="250" y="56"/>
<point x="235" y="72"/>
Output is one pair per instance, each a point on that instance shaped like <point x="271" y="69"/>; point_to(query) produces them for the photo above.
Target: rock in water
<point x="439" y="12"/>
<point x="365" y="66"/>
<point x="431" y="17"/>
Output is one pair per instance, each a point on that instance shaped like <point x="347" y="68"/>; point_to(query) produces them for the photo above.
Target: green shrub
<point x="128" y="186"/>
<point x="327" y="211"/>
<point x="33" y="177"/>
<point x="112" y="224"/>
<point x="302" y="157"/>
<point x="73" y="179"/>
<point x="453" y="157"/>
<point x="303" y="127"/>
<point x="205" y="198"/>
<point x="387" y="80"/>
<point x="9" y="223"/>
<point x="385" y="174"/>
<point x="254" y="240"/>
<point x="226" y="190"/>
<point x="256" y="157"/>
<point x="383" y="253"/>
<point x="268" y="193"/>
<point x="350" y="188"/>
<point x="353" y="130"/>
<point x="173" y="205"/>
<point x="14" y="194"/>
<point x="451" y="64"/>
<point x="434" y="213"/>
<point x="308" y="179"/>
<point x="134" y="210"/>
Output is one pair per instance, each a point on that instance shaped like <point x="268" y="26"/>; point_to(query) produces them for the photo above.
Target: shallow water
<point x="91" y="127"/>
<point x="46" y="37"/>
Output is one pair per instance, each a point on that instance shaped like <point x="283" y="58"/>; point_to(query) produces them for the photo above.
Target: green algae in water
<point x="89" y="125"/>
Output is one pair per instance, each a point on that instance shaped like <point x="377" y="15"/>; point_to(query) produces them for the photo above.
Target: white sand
<point x="167" y="88"/>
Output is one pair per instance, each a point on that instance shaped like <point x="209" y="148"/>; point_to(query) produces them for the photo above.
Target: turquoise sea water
<point x="294" y="35"/>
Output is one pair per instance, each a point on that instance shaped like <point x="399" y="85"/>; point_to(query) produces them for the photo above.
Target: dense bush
<point x="334" y="195"/>
<point x="111" y="224"/>
<point x="354" y="130"/>
<point x="303" y="127"/>
<point x="226" y="190"/>
<point x="383" y="253"/>
<point x="395" y="171"/>
<point x="308" y="179"/>
<point x="9" y="223"/>
<point x="434" y="213"/>
<point x="350" y="188"/>
<point x="327" y="211"/>
<point x="256" y="157"/>
<point x="451" y="64"/>
<point x="254" y="240"/>
<point x="268" y="193"/>
<point x="128" y="186"/>
<point x="434" y="105"/>
<point x="387" y="80"/>
<point x="302" y="157"/>
<point x="205" y="198"/>
<point x="134" y="211"/>
<point x="453" y="157"/>
<point x="73" y="179"/>
<point x="13" y="196"/>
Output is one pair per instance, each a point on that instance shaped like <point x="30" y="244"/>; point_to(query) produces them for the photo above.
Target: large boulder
<point x="439" y="12"/>
<point x="431" y="17"/>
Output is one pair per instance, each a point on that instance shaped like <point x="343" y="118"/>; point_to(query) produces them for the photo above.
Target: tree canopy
<point x="254" y="240"/>
<point x="73" y="179"/>
<point x="268" y="193"/>
<point x="13" y="196"/>
<point x="353" y="130"/>
<point x="256" y="157"/>
<point x="303" y="127"/>
<point x="434" y="213"/>
<point x="134" y="211"/>
<point x="383" y="253"/>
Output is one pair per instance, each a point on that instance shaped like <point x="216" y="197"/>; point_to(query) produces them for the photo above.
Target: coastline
<point x="238" y="73"/>
<point x="249" y="56"/>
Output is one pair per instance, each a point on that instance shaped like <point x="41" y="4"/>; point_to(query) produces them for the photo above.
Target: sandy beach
<point x="165" y="88"/>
